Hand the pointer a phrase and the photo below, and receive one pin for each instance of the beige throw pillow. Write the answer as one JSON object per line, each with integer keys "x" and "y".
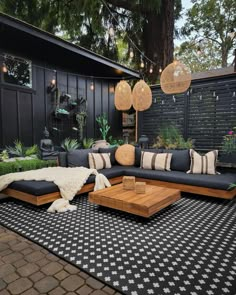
{"x": 203, "y": 164}
{"x": 155, "y": 161}
{"x": 99, "y": 160}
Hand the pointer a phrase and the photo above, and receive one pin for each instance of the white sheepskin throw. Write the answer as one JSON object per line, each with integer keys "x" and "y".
{"x": 60, "y": 206}
{"x": 69, "y": 180}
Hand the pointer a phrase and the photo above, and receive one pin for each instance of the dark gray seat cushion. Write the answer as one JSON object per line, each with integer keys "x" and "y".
{"x": 221, "y": 181}
{"x": 76, "y": 158}
{"x": 38, "y": 188}
{"x": 33, "y": 187}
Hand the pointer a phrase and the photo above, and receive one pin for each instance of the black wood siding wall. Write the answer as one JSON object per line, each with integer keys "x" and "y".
{"x": 25, "y": 112}
{"x": 206, "y": 112}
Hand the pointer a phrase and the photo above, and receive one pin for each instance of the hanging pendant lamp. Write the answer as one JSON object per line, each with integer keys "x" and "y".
{"x": 123, "y": 96}
{"x": 175, "y": 78}
{"x": 142, "y": 96}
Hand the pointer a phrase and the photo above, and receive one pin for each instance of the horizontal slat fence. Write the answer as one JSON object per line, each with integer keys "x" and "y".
{"x": 205, "y": 113}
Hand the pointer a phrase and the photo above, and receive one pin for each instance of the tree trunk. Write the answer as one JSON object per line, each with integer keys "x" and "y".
{"x": 158, "y": 42}
{"x": 224, "y": 56}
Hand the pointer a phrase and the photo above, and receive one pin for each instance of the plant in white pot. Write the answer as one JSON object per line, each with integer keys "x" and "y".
{"x": 103, "y": 128}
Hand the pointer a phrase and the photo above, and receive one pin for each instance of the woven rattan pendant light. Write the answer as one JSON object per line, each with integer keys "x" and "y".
{"x": 142, "y": 96}
{"x": 123, "y": 96}
{"x": 176, "y": 78}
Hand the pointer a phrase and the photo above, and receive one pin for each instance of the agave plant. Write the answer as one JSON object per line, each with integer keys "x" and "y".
{"x": 87, "y": 143}
{"x": 70, "y": 144}
{"x": 32, "y": 151}
{"x": 17, "y": 150}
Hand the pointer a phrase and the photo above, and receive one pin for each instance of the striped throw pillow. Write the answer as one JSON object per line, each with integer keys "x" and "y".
{"x": 99, "y": 160}
{"x": 155, "y": 161}
{"x": 203, "y": 164}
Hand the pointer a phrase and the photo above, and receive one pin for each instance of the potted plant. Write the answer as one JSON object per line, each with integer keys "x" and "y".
{"x": 228, "y": 154}
{"x": 103, "y": 128}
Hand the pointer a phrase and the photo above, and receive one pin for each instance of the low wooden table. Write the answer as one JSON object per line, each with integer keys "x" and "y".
{"x": 145, "y": 205}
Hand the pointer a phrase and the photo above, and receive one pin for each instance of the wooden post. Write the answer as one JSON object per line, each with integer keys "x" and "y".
{"x": 136, "y": 127}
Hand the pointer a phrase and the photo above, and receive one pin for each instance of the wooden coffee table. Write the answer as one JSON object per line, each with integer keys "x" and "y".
{"x": 145, "y": 205}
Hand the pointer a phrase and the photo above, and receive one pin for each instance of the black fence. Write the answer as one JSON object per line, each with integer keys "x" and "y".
{"x": 205, "y": 113}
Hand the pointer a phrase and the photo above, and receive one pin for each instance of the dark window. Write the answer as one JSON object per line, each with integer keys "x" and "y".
{"x": 18, "y": 71}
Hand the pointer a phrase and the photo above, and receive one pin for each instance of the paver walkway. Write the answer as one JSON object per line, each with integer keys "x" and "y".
{"x": 26, "y": 268}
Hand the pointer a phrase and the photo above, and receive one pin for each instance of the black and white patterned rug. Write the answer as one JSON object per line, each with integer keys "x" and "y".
{"x": 187, "y": 248}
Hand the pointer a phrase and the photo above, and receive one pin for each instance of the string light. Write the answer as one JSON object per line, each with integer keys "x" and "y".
{"x": 111, "y": 32}
{"x": 142, "y": 64}
{"x": 199, "y": 51}
{"x": 160, "y": 70}
{"x": 131, "y": 53}
{"x": 130, "y": 40}
{"x": 231, "y": 34}
{"x": 151, "y": 69}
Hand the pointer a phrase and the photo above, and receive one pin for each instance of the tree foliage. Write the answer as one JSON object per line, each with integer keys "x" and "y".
{"x": 213, "y": 20}
{"x": 40, "y": 13}
{"x": 207, "y": 58}
{"x": 149, "y": 24}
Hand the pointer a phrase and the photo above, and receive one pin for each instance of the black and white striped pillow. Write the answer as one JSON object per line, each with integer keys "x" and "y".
{"x": 99, "y": 160}
{"x": 155, "y": 161}
{"x": 203, "y": 164}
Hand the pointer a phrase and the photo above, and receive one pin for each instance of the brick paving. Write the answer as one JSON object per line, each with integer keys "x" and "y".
{"x": 26, "y": 268}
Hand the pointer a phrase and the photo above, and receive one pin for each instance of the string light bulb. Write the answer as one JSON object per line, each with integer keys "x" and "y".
{"x": 160, "y": 70}
{"x": 142, "y": 64}
{"x": 111, "y": 32}
{"x": 151, "y": 69}
{"x": 4, "y": 68}
{"x": 199, "y": 50}
{"x": 91, "y": 86}
{"x": 131, "y": 53}
{"x": 231, "y": 34}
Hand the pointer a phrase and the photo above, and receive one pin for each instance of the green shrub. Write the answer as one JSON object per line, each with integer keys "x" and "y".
{"x": 25, "y": 165}
{"x": 170, "y": 138}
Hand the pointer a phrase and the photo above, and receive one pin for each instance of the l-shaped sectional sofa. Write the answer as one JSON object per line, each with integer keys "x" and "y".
{"x": 41, "y": 192}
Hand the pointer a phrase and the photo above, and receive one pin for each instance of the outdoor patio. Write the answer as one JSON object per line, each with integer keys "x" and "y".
{"x": 26, "y": 268}
{"x": 118, "y": 147}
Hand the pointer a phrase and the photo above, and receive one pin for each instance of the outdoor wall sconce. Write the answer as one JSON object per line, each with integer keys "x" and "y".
{"x": 52, "y": 86}
{"x": 91, "y": 86}
{"x": 4, "y": 68}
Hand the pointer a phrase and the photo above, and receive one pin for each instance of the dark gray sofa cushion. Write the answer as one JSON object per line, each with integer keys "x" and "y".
{"x": 138, "y": 154}
{"x": 220, "y": 181}
{"x": 112, "y": 152}
{"x": 39, "y": 188}
{"x": 62, "y": 159}
{"x": 33, "y": 187}
{"x": 76, "y": 158}
{"x": 180, "y": 160}
{"x": 115, "y": 171}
